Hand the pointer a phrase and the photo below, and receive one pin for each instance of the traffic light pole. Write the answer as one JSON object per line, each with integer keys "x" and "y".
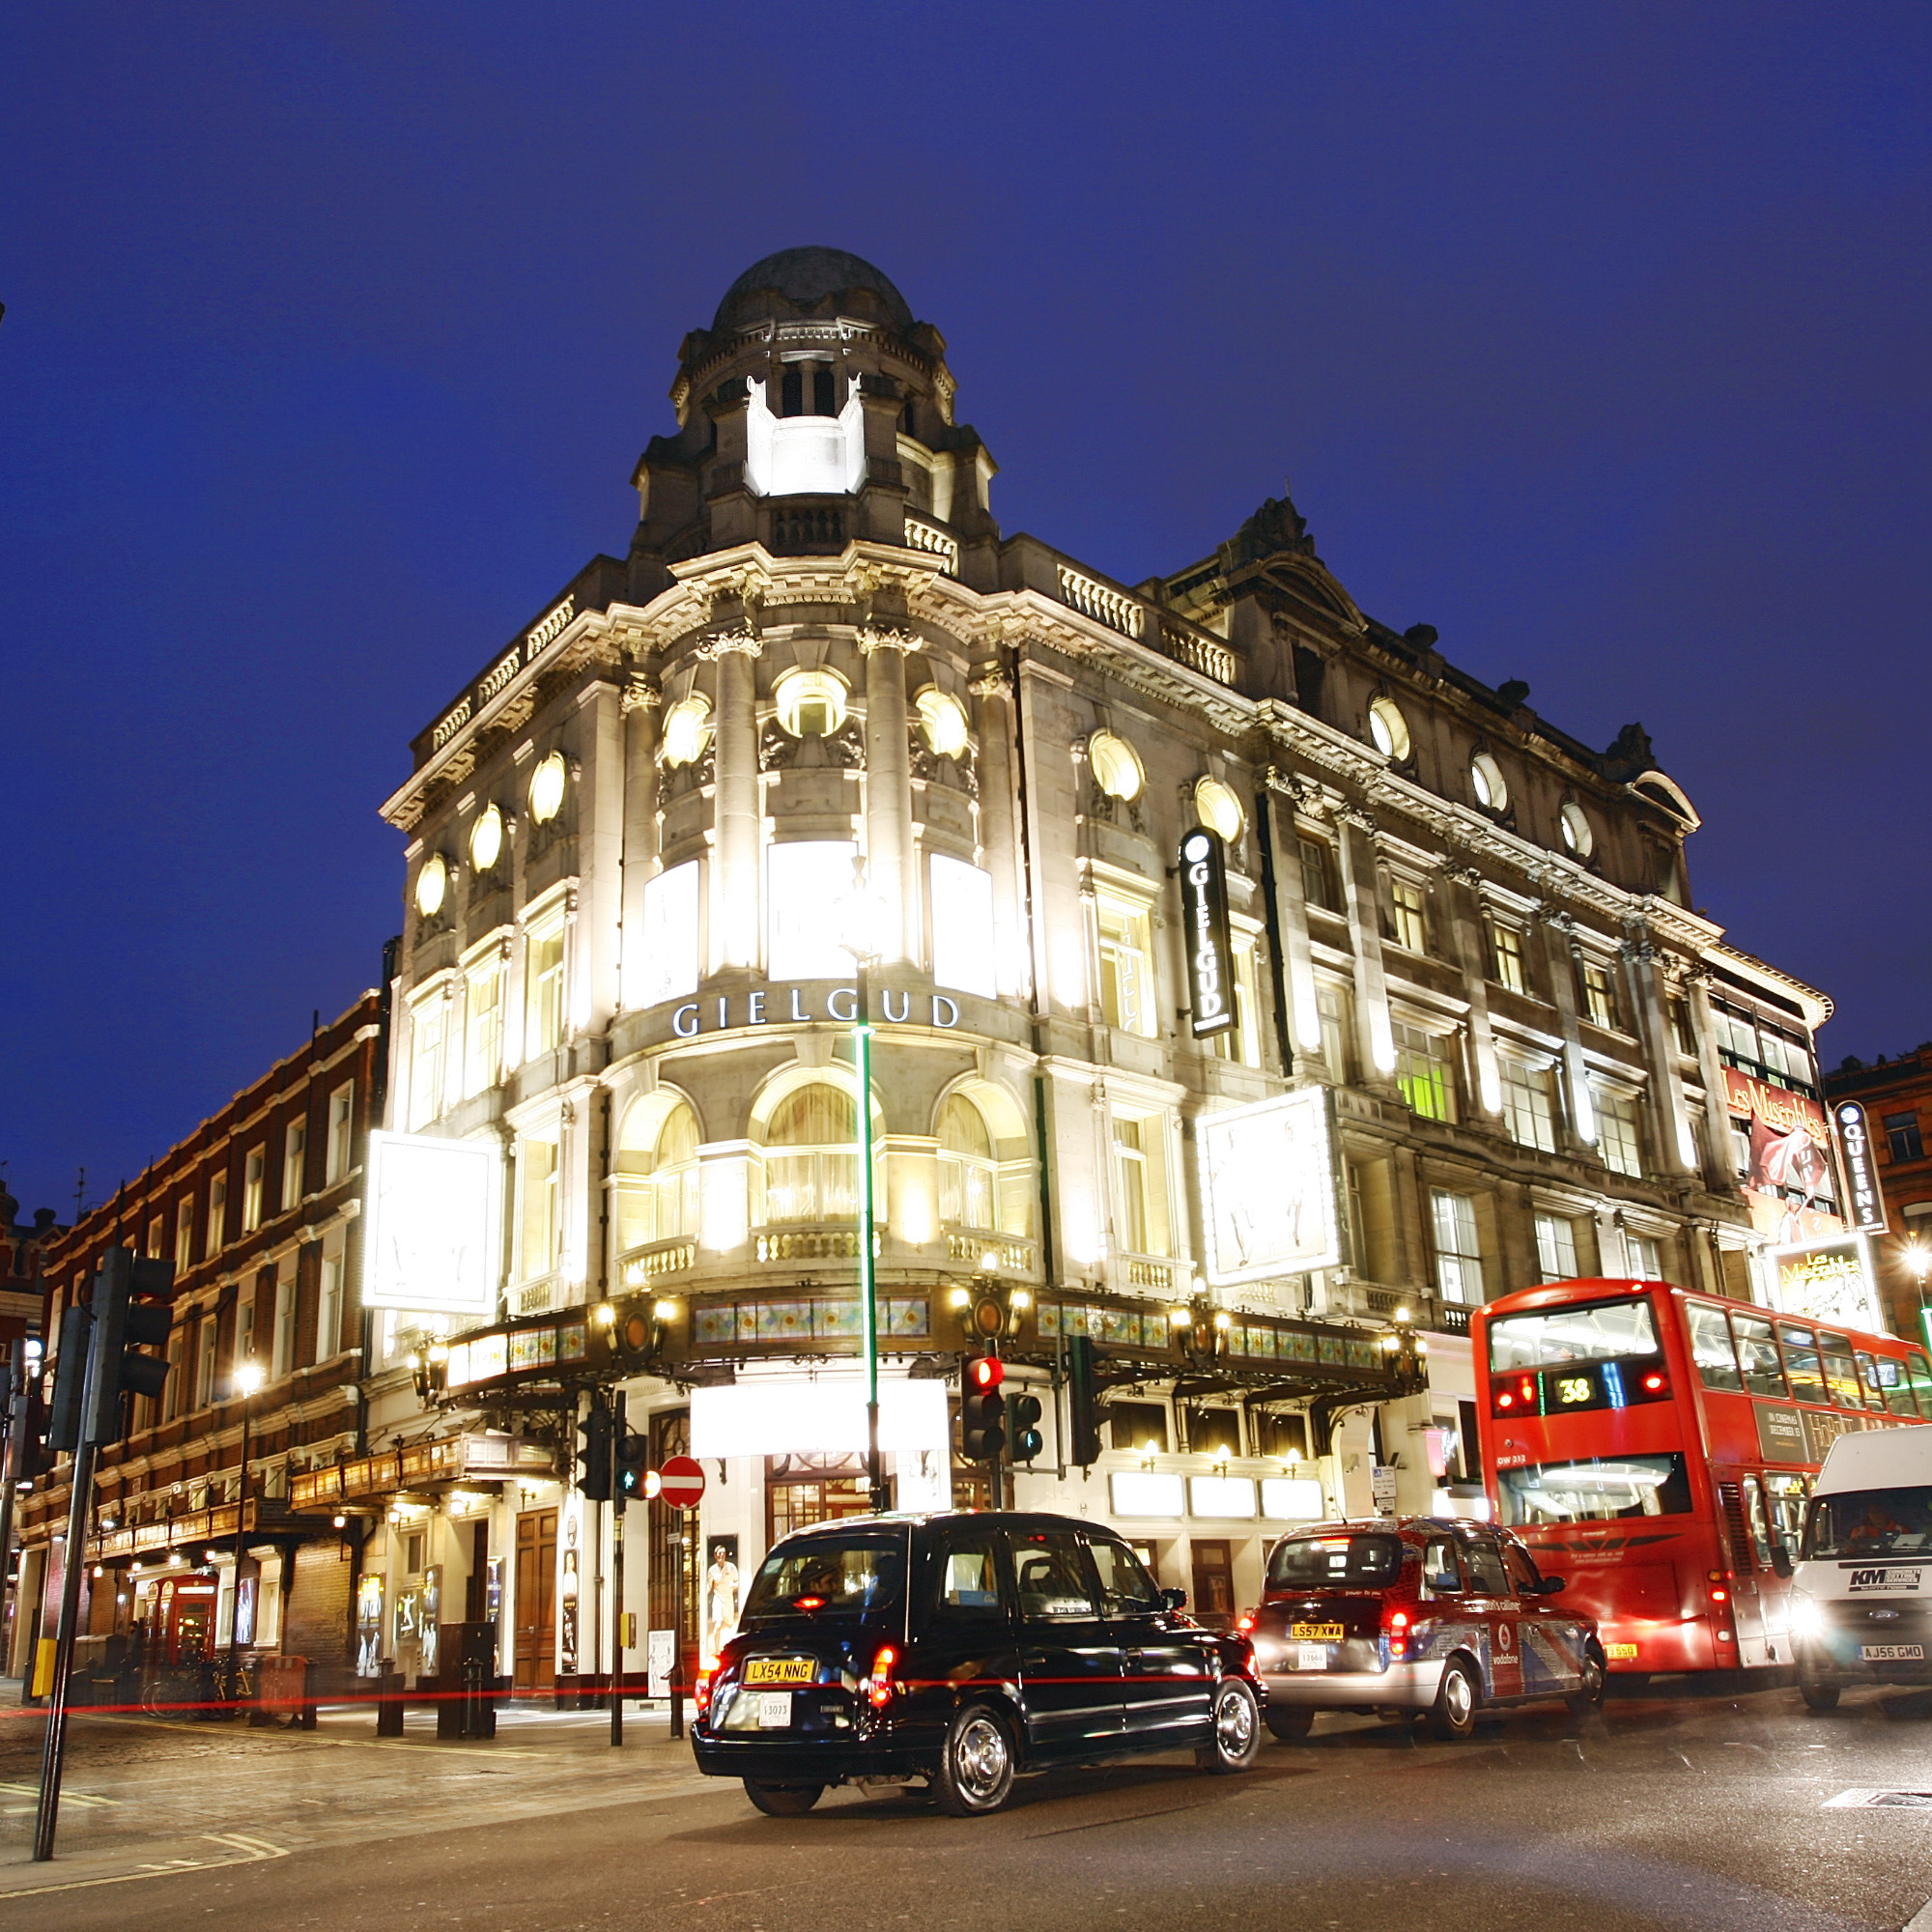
{"x": 618, "y": 1512}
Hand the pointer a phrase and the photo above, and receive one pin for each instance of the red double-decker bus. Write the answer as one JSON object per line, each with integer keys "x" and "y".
{"x": 1655, "y": 1448}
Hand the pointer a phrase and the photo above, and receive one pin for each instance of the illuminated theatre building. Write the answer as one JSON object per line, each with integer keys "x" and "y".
{"x": 1470, "y": 1036}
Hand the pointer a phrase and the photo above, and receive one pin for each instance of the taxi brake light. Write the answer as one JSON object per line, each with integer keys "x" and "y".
{"x": 1246, "y": 1621}
{"x": 808, "y": 1602}
{"x": 701, "y": 1693}
{"x": 879, "y": 1686}
{"x": 1395, "y": 1623}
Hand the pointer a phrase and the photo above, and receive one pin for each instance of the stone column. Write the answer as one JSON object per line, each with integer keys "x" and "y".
{"x": 1719, "y": 1165}
{"x": 641, "y": 834}
{"x": 734, "y": 894}
{"x": 1467, "y": 923}
{"x": 1650, "y": 1015}
{"x": 1304, "y": 1017}
{"x": 891, "y": 867}
{"x": 999, "y": 840}
{"x": 1560, "y": 961}
{"x": 1356, "y": 844}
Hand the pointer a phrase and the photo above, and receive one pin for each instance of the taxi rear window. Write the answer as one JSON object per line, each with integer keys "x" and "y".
{"x": 831, "y": 1579}
{"x": 1335, "y": 1562}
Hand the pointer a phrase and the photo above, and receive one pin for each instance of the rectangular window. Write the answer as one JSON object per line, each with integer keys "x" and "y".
{"x": 1318, "y": 875}
{"x": 1506, "y": 959}
{"x": 328, "y": 1303}
{"x": 1646, "y": 1257}
{"x": 536, "y": 1168}
{"x": 962, "y": 926}
{"x": 1242, "y": 1041}
{"x": 1681, "y": 1029}
{"x": 157, "y": 1238}
{"x": 483, "y": 1027}
{"x": 253, "y": 1172}
{"x": 1127, "y": 968}
{"x": 1618, "y": 1138}
{"x": 174, "y": 1391}
{"x": 184, "y": 1236}
{"x": 1527, "y": 1109}
{"x": 217, "y": 1212}
{"x": 428, "y": 1025}
{"x": 1458, "y": 1260}
{"x": 1407, "y": 915}
{"x": 246, "y": 1350}
{"x": 204, "y": 1361}
{"x": 294, "y": 1164}
{"x": 341, "y": 1119}
{"x": 671, "y": 934}
{"x": 283, "y": 1361}
{"x": 1902, "y": 1139}
{"x": 1424, "y": 1073}
{"x": 807, "y": 884}
{"x": 1140, "y": 1182}
{"x": 1555, "y": 1248}
{"x": 542, "y": 1005}
{"x": 1332, "y": 1005}
{"x": 1600, "y": 995}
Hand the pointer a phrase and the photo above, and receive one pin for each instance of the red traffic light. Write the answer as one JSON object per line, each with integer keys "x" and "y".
{"x": 985, "y": 1373}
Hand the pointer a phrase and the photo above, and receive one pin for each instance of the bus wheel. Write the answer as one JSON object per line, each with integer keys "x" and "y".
{"x": 1818, "y": 1696}
{"x": 1454, "y": 1718}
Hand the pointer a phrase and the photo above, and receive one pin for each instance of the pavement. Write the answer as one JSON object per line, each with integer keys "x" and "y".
{"x": 1672, "y": 1809}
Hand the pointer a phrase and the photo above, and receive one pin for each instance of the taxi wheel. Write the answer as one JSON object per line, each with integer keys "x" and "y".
{"x": 1454, "y": 1718}
{"x": 976, "y": 1767}
{"x": 1237, "y": 1730}
{"x": 1291, "y": 1722}
{"x": 783, "y": 1801}
{"x": 1588, "y": 1695}
{"x": 1818, "y": 1696}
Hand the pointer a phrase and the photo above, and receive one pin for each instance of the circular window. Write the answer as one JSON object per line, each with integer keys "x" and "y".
{"x": 1576, "y": 833}
{"x": 431, "y": 886}
{"x": 812, "y": 703}
{"x": 1389, "y": 728}
{"x": 1219, "y": 809}
{"x": 687, "y": 730}
{"x": 1486, "y": 776}
{"x": 547, "y": 784}
{"x": 486, "y": 839}
{"x": 942, "y": 722}
{"x": 1117, "y": 769}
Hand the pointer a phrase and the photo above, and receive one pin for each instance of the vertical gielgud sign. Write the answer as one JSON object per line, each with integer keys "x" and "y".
{"x": 1204, "y": 907}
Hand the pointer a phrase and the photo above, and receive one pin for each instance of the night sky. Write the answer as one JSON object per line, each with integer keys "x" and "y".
{"x": 1595, "y": 337}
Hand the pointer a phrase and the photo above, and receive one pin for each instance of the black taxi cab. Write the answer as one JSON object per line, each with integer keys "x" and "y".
{"x": 963, "y": 1650}
{"x": 1422, "y": 1615}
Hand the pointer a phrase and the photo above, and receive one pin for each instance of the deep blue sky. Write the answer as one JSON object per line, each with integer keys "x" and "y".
{"x": 1596, "y": 337}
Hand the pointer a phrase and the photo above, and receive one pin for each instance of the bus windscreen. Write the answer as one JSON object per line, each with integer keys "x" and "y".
{"x": 1597, "y": 1489}
{"x": 1592, "y": 1332}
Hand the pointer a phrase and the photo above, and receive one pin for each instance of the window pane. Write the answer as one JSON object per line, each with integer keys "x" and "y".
{"x": 1595, "y": 1331}
{"x": 1598, "y": 1489}
{"x": 806, "y": 887}
{"x": 671, "y": 934}
{"x": 962, "y": 926}
{"x": 1051, "y": 1577}
{"x": 1711, "y": 1348}
{"x": 1757, "y": 1355}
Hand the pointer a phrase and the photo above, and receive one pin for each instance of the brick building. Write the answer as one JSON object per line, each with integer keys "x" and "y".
{"x": 1896, "y": 1096}
{"x": 259, "y": 1210}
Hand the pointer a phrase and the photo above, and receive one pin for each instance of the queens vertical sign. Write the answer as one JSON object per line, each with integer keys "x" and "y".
{"x": 1203, "y": 904}
{"x": 1866, "y": 1207}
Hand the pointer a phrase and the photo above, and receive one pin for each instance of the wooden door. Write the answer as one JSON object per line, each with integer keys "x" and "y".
{"x": 1214, "y": 1601}
{"x": 536, "y": 1601}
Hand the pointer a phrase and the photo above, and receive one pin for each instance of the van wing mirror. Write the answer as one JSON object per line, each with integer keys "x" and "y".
{"x": 1550, "y": 1586}
{"x": 1174, "y": 1600}
{"x": 1780, "y": 1560}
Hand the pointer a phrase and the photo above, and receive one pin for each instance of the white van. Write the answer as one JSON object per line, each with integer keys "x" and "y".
{"x": 1861, "y": 1594}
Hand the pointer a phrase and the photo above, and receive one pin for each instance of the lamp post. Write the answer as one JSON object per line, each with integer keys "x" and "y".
{"x": 247, "y": 1380}
{"x": 860, "y": 919}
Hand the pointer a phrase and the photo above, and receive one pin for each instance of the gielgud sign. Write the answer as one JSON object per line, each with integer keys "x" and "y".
{"x": 1204, "y": 915}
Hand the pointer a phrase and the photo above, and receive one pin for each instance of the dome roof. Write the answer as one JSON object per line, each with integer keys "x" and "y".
{"x": 806, "y": 276}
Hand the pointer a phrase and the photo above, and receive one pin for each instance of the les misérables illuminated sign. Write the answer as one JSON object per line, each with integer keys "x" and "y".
{"x": 1865, "y": 1209}
{"x": 1203, "y": 908}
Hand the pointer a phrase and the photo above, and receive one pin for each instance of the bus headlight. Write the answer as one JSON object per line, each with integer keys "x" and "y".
{"x": 1808, "y": 1619}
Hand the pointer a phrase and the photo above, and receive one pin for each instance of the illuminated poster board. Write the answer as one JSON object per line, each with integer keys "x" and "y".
{"x": 1267, "y": 1184}
{"x": 1828, "y": 1281}
{"x": 434, "y": 1225}
{"x": 1787, "y": 1179}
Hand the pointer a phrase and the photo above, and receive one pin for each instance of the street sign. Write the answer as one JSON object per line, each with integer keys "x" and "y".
{"x": 681, "y": 1483}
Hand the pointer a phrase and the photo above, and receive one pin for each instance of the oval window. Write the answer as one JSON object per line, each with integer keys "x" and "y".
{"x": 547, "y": 784}
{"x": 810, "y": 703}
{"x": 486, "y": 839}
{"x": 1486, "y": 779}
{"x": 432, "y": 885}
{"x": 1219, "y": 809}
{"x": 687, "y": 730}
{"x": 1576, "y": 833}
{"x": 942, "y": 722}
{"x": 1117, "y": 767}
{"x": 1389, "y": 728}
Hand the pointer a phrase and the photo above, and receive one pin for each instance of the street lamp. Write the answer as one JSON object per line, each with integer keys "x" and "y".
{"x": 247, "y": 1380}
{"x": 862, "y": 920}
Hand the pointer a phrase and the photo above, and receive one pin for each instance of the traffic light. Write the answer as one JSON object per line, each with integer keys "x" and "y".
{"x": 63, "y": 1430}
{"x": 126, "y": 1326}
{"x": 1023, "y": 1415}
{"x": 593, "y": 1453}
{"x": 982, "y": 1409}
{"x": 1083, "y": 1400}
{"x": 630, "y": 1470}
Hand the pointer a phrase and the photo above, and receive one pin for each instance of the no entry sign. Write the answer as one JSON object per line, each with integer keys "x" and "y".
{"x": 682, "y": 1483}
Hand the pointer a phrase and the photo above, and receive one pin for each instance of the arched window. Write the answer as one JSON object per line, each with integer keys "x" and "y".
{"x": 811, "y": 1166}
{"x": 656, "y": 1186}
{"x": 968, "y": 1176}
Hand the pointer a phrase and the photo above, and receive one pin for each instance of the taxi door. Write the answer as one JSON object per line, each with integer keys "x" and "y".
{"x": 1550, "y": 1642}
{"x": 1070, "y": 1661}
{"x": 1493, "y": 1604}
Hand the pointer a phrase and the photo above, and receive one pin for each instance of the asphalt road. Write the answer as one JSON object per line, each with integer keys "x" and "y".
{"x": 1712, "y": 1812}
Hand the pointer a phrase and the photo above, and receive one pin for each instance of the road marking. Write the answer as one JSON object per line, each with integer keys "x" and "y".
{"x": 252, "y": 1852}
{"x": 1871, "y": 1798}
{"x": 1921, "y": 1919}
{"x": 67, "y": 1797}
